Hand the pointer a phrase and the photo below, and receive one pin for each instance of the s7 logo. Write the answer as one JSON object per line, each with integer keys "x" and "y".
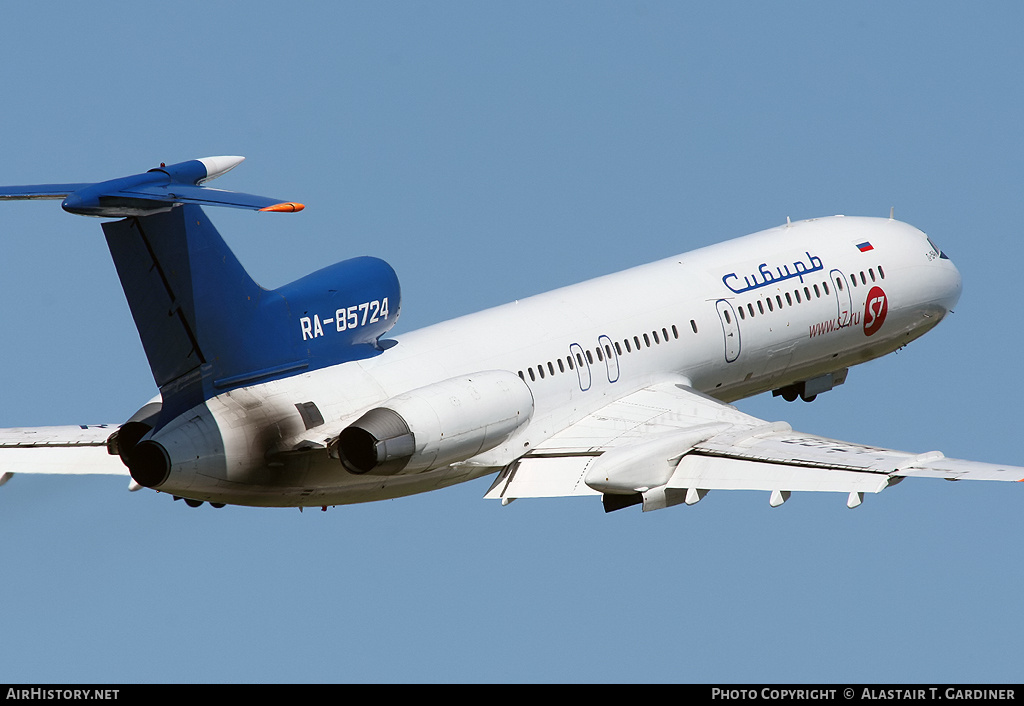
{"x": 875, "y": 309}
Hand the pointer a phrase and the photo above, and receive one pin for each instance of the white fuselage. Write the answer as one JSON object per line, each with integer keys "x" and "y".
{"x": 758, "y": 313}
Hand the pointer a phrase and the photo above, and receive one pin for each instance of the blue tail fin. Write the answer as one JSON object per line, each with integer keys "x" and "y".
{"x": 207, "y": 327}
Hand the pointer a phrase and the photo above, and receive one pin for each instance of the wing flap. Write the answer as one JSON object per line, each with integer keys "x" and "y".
{"x": 719, "y": 473}
{"x": 60, "y": 450}
{"x": 61, "y": 460}
{"x": 549, "y": 477}
{"x": 543, "y": 477}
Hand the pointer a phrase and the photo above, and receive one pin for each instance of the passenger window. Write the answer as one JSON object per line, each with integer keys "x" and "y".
{"x": 839, "y": 284}
{"x": 590, "y": 358}
{"x": 760, "y": 306}
{"x": 675, "y": 331}
{"x": 853, "y": 280}
{"x": 540, "y": 369}
{"x": 599, "y": 356}
{"x": 769, "y": 304}
{"x": 647, "y": 340}
{"x": 742, "y": 315}
{"x": 789, "y": 299}
{"x": 628, "y": 349}
{"x": 618, "y": 349}
{"x": 817, "y": 292}
{"x": 655, "y": 333}
{"x": 637, "y": 342}
{"x": 521, "y": 375}
{"x": 693, "y": 325}
{"x": 863, "y": 279}
{"x": 551, "y": 368}
{"x": 569, "y": 360}
{"x": 824, "y": 286}
{"x": 797, "y": 293}
{"x": 750, "y": 308}
{"x": 532, "y": 377}
{"x": 871, "y": 274}
{"x": 778, "y": 300}
{"x": 561, "y": 368}
{"x": 881, "y": 272}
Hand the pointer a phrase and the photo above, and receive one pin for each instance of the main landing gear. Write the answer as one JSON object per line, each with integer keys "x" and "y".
{"x": 196, "y": 503}
{"x": 808, "y": 390}
{"x": 791, "y": 392}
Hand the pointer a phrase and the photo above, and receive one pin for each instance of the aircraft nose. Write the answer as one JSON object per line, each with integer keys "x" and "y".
{"x": 949, "y": 283}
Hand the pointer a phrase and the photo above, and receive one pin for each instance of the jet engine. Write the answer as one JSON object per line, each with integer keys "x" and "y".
{"x": 436, "y": 425}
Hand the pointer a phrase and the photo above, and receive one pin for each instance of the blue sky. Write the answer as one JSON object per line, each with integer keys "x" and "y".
{"x": 490, "y": 151}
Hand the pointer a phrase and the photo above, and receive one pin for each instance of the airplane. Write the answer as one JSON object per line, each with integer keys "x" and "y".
{"x": 619, "y": 387}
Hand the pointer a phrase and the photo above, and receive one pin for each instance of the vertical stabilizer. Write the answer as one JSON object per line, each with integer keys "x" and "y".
{"x": 207, "y": 327}
{"x": 154, "y": 256}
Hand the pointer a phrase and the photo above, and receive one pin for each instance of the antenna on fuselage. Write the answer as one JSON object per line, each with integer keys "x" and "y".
{"x": 892, "y": 211}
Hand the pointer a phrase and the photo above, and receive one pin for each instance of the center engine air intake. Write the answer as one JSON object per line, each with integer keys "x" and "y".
{"x": 436, "y": 425}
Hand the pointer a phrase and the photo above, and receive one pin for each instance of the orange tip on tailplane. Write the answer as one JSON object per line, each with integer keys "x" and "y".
{"x": 286, "y": 207}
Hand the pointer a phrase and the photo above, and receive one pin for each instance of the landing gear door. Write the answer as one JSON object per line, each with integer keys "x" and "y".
{"x": 730, "y": 329}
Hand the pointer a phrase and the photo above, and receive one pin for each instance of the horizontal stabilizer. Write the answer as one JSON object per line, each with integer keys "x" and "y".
{"x": 39, "y": 191}
{"x": 155, "y": 191}
{"x": 203, "y": 196}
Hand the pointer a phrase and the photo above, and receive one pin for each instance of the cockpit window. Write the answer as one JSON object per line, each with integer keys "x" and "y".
{"x": 935, "y": 249}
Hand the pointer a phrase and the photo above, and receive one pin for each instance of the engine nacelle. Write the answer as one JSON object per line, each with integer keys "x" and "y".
{"x": 436, "y": 425}
{"x": 173, "y": 457}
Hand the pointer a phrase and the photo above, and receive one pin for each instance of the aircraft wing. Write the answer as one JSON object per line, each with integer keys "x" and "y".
{"x": 64, "y": 449}
{"x": 669, "y": 444}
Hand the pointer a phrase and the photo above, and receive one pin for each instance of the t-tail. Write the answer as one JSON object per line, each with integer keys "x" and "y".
{"x": 205, "y": 325}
